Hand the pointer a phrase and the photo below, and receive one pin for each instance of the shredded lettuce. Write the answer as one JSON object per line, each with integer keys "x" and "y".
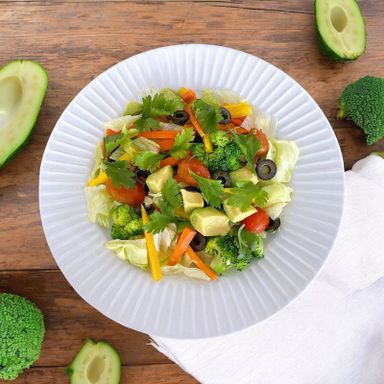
{"x": 274, "y": 211}
{"x": 194, "y": 273}
{"x": 164, "y": 240}
{"x": 98, "y": 161}
{"x": 261, "y": 120}
{"x": 121, "y": 122}
{"x": 277, "y": 193}
{"x": 285, "y": 155}
{"x": 220, "y": 96}
{"x": 99, "y": 205}
{"x": 143, "y": 144}
{"x": 133, "y": 251}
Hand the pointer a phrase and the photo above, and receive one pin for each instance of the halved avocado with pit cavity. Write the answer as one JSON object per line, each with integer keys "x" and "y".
{"x": 340, "y": 28}
{"x": 95, "y": 363}
{"x": 23, "y": 85}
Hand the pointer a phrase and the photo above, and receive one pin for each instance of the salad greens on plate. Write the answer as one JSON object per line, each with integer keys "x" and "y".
{"x": 190, "y": 184}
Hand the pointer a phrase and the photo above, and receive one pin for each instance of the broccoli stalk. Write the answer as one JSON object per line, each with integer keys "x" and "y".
{"x": 127, "y": 224}
{"x": 363, "y": 103}
{"x": 21, "y": 335}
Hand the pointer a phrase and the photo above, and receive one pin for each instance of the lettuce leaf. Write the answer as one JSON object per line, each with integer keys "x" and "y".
{"x": 121, "y": 122}
{"x": 220, "y": 96}
{"x": 194, "y": 273}
{"x": 285, "y": 155}
{"x": 133, "y": 251}
{"x": 99, "y": 205}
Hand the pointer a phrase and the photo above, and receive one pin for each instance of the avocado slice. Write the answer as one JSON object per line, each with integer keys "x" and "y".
{"x": 340, "y": 29}
{"x": 243, "y": 175}
{"x": 95, "y": 363}
{"x": 210, "y": 222}
{"x": 23, "y": 85}
{"x": 191, "y": 200}
{"x": 235, "y": 214}
{"x": 156, "y": 180}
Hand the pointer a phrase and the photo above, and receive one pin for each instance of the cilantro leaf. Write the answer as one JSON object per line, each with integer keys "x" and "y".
{"x": 111, "y": 143}
{"x": 147, "y": 103}
{"x": 250, "y": 244}
{"x": 147, "y": 124}
{"x": 171, "y": 193}
{"x": 248, "y": 145}
{"x": 207, "y": 115}
{"x": 246, "y": 195}
{"x": 120, "y": 173}
{"x": 148, "y": 161}
{"x": 161, "y": 105}
{"x": 182, "y": 143}
{"x": 158, "y": 222}
{"x": 212, "y": 190}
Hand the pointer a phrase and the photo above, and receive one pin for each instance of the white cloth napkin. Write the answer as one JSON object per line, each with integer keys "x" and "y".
{"x": 334, "y": 332}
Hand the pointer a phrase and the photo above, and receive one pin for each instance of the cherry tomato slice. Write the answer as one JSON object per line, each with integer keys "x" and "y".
{"x": 132, "y": 196}
{"x": 258, "y": 222}
{"x": 195, "y": 166}
{"x": 263, "y": 142}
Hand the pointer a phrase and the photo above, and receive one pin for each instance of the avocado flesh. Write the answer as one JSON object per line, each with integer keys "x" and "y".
{"x": 96, "y": 363}
{"x": 210, "y": 222}
{"x": 341, "y": 29}
{"x": 156, "y": 180}
{"x": 23, "y": 85}
{"x": 191, "y": 200}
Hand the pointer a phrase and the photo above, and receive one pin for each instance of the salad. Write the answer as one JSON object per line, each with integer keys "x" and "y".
{"x": 190, "y": 184}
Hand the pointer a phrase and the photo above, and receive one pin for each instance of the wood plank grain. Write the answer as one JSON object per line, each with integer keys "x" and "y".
{"x": 69, "y": 320}
{"x": 77, "y": 41}
{"x": 143, "y": 374}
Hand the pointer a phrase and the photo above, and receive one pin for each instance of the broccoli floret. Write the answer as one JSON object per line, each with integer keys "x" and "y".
{"x": 21, "y": 335}
{"x": 220, "y": 138}
{"x": 362, "y": 102}
{"x": 126, "y": 223}
{"x": 227, "y": 158}
{"x": 225, "y": 253}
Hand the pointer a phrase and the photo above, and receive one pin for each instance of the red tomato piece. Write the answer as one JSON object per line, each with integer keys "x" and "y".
{"x": 256, "y": 223}
{"x": 193, "y": 165}
{"x": 132, "y": 196}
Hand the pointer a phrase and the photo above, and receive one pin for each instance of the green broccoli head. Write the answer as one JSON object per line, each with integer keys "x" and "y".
{"x": 227, "y": 158}
{"x": 362, "y": 102}
{"x": 220, "y": 138}
{"x": 126, "y": 223}
{"x": 21, "y": 335}
{"x": 226, "y": 254}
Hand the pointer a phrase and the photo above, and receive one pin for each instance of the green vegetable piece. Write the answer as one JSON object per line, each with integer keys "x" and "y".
{"x": 95, "y": 363}
{"x": 171, "y": 193}
{"x": 156, "y": 180}
{"x": 243, "y": 175}
{"x": 120, "y": 173}
{"x": 207, "y": 115}
{"x": 126, "y": 223}
{"x": 210, "y": 221}
{"x": 191, "y": 200}
{"x": 172, "y": 95}
{"x": 21, "y": 335}
{"x": 23, "y": 85}
{"x": 340, "y": 28}
{"x": 220, "y": 138}
{"x": 362, "y": 102}
{"x": 212, "y": 190}
{"x": 182, "y": 144}
{"x": 227, "y": 158}
{"x": 226, "y": 254}
{"x": 248, "y": 145}
{"x": 133, "y": 108}
{"x": 246, "y": 195}
{"x": 148, "y": 161}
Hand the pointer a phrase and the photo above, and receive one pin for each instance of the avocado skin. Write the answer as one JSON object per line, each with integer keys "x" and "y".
{"x": 33, "y": 123}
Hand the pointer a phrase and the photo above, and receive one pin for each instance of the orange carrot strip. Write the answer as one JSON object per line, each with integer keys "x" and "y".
{"x": 185, "y": 239}
{"x": 188, "y": 96}
{"x": 168, "y": 161}
{"x": 111, "y": 132}
{"x": 159, "y": 134}
{"x": 165, "y": 144}
{"x": 238, "y": 120}
{"x": 240, "y": 130}
{"x": 200, "y": 264}
{"x": 195, "y": 123}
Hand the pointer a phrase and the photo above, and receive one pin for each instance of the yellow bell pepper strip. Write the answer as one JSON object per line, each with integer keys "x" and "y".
{"x": 100, "y": 179}
{"x": 200, "y": 264}
{"x": 153, "y": 259}
{"x": 239, "y": 110}
{"x": 199, "y": 130}
{"x": 181, "y": 247}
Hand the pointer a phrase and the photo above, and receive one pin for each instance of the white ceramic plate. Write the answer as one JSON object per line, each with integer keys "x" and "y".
{"x": 177, "y": 307}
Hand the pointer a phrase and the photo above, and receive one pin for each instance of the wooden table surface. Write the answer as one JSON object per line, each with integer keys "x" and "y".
{"x": 76, "y": 40}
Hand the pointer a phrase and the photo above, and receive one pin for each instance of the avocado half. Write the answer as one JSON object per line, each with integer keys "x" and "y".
{"x": 340, "y": 29}
{"x": 23, "y": 85}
